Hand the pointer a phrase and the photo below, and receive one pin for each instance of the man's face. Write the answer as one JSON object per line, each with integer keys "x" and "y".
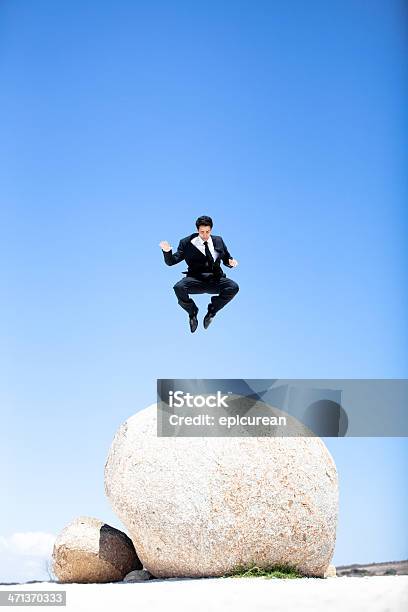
{"x": 204, "y": 232}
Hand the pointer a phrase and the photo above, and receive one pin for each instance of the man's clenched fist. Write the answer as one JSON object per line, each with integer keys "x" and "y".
{"x": 164, "y": 245}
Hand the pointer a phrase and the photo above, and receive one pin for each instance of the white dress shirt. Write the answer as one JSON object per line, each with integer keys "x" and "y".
{"x": 199, "y": 243}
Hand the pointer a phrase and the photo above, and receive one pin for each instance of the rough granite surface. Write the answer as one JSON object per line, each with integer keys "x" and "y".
{"x": 201, "y": 506}
{"x": 89, "y": 550}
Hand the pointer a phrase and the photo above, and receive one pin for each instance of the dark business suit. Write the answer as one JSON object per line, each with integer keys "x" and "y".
{"x": 201, "y": 277}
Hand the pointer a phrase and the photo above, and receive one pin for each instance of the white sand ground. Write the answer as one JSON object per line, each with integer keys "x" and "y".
{"x": 371, "y": 594}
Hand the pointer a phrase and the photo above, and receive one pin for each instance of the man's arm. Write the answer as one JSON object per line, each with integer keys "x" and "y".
{"x": 169, "y": 257}
{"x": 227, "y": 260}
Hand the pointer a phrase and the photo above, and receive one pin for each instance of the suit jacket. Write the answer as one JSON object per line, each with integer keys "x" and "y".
{"x": 196, "y": 260}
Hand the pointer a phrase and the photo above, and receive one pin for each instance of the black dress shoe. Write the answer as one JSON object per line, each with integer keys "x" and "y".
{"x": 193, "y": 322}
{"x": 208, "y": 318}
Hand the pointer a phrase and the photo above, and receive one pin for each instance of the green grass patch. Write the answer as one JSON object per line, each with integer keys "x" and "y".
{"x": 275, "y": 571}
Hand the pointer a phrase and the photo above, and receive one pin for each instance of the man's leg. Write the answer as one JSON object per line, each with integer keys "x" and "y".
{"x": 226, "y": 289}
{"x": 183, "y": 288}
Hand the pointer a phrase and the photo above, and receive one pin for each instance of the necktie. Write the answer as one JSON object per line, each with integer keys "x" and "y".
{"x": 210, "y": 259}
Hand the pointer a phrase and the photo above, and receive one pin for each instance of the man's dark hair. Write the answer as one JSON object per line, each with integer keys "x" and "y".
{"x": 204, "y": 220}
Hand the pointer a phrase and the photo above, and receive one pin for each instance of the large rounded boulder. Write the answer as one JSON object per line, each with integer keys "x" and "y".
{"x": 204, "y": 506}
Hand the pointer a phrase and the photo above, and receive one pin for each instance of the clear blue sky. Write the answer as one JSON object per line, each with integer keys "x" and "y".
{"x": 121, "y": 123}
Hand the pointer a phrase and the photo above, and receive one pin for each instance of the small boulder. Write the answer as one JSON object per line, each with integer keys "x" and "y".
{"x": 89, "y": 550}
{"x": 138, "y": 576}
{"x": 330, "y": 572}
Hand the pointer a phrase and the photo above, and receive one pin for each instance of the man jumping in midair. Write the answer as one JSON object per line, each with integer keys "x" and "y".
{"x": 203, "y": 254}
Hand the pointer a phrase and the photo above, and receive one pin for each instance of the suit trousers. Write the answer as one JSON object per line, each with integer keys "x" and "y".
{"x": 223, "y": 290}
